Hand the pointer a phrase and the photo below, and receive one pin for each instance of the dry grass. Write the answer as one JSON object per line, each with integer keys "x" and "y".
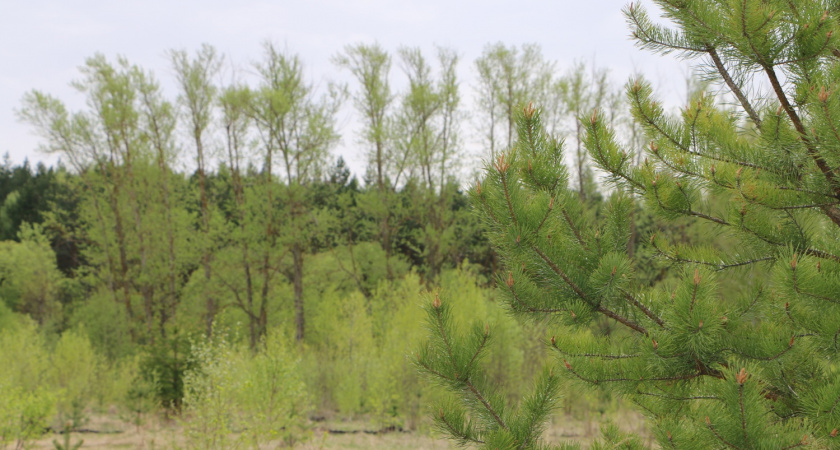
{"x": 158, "y": 433}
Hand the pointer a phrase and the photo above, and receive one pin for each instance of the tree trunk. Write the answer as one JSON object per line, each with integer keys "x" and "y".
{"x": 297, "y": 281}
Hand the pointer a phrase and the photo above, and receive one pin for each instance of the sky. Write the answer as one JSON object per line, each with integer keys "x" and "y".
{"x": 42, "y": 43}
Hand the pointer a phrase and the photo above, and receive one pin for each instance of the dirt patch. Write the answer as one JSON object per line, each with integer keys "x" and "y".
{"x": 111, "y": 432}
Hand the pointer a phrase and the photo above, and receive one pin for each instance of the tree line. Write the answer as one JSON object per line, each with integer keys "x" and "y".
{"x": 266, "y": 190}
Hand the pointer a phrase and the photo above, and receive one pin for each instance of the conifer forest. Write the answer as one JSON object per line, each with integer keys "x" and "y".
{"x": 202, "y": 269}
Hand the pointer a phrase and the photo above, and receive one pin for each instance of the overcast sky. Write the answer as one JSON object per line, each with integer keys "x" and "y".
{"x": 42, "y": 43}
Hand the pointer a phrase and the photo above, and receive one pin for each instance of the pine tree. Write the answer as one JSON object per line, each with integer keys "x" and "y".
{"x": 740, "y": 352}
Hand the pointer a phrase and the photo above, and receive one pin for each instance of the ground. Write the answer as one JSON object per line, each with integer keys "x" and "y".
{"x": 110, "y": 432}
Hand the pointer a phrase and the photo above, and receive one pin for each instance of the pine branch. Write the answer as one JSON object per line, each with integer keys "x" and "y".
{"x": 724, "y": 73}
{"x": 639, "y": 107}
{"x": 807, "y": 294}
{"x": 831, "y": 212}
{"x": 719, "y": 437}
{"x": 596, "y": 381}
{"x": 762, "y": 358}
{"x": 460, "y": 435}
{"x": 574, "y": 229}
{"x": 680, "y": 399}
{"x": 717, "y": 266}
{"x": 502, "y": 167}
{"x": 531, "y": 309}
{"x": 633, "y": 301}
{"x": 562, "y": 274}
{"x": 622, "y": 320}
{"x": 589, "y": 355}
{"x": 741, "y": 404}
{"x": 486, "y": 405}
{"x": 688, "y": 212}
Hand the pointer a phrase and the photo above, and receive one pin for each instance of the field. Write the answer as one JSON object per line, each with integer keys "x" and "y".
{"x": 111, "y": 432}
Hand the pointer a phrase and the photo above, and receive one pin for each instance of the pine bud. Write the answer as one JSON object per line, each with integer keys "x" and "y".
{"x": 772, "y": 13}
{"x": 741, "y": 377}
{"x": 518, "y": 238}
{"x": 828, "y": 35}
{"x": 653, "y": 147}
{"x": 551, "y": 203}
{"x": 805, "y": 28}
{"x": 670, "y": 438}
{"x": 708, "y": 422}
{"x": 502, "y": 165}
{"x": 440, "y": 413}
{"x": 594, "y": 119}
{"x": 636, "y": 86}
{"x": 655, "y": 344}
{"x": 478, "y": 187}
{"x": 574, "y": 316}
{"x": 697, "y": 277}
{"x": 790, "y": 344}
{"x": 612, "y": 274}
{"x": 712, "y": 170}
{"x": 700, "y": 326}
{"x": 818, "y": 266}
{"x": 724, "y": 320}
{"x": 529, "y": 110}
{"x": 833, "y": 433}
{"x": 738, "y": 173}
{"x": 823, "y": 94}
{"x": 553, "y": 341}
{"x": 510, "y": 280}
{"x": 652, "y": 238}
{"x": 779, "y": 110}
{"x": 793, "y": 262}
{"x": 436, "y": 302}
{"x": 486, "y": 329}
{"x": 568, "y": 366}
{"x": 824, "y": 16}
{"x": 530, "y": 169}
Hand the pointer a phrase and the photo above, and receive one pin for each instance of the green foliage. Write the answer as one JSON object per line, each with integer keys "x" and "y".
{"x": 234, "y": 398}
{"x": 29, "y": 279}
{"x": 105, "y": 324}
{"x": 164, "y": 367}
{"x": 737, "y": 349}
{"x": 27, "y": 400}
{"x": 76, "y": 372}
{"x": 482, "y": 415}
{"x": 273, "y": 240}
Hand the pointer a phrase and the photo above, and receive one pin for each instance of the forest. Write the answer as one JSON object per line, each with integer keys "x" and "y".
{"x": 204, "y": 258}
{"x": 130, "y": 282}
